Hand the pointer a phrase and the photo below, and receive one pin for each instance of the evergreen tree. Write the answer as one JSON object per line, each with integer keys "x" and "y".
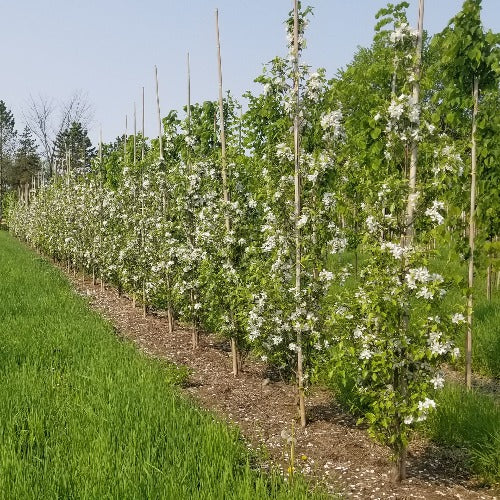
{"x": 73, "y": 149}
{"x": 7, "y": 142}
{"x": 26, "y": 163}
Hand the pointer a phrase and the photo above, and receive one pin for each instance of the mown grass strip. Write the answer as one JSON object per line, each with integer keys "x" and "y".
{"x": 87, "y": 416}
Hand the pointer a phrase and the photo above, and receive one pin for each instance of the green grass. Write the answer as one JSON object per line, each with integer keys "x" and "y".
{"x": 469, "y": 420}
{"x": 486, "y": 319}
{"x": 84, "y": 415}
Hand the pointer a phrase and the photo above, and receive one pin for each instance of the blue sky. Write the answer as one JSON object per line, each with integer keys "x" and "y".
{"x": 108, "y": 48}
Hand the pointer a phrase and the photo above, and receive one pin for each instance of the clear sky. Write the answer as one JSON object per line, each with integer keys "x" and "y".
{"x": 108, "y": 48}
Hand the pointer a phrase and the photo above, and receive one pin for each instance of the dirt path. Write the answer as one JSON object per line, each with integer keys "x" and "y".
{"x": 331, "y": 449}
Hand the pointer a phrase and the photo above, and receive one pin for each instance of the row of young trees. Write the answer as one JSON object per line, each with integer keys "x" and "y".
{"x": 302, "y": 229}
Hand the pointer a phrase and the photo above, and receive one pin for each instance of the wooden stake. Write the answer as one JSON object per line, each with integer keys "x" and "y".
{"x": 125, "y": 141}
{"x": 410, "y": 210}
{"x": 135, "y": 134}
{"x": 489, "y": 276}
{"x": 189, "y": 93}
{"x": 160, "y": 128}
{"x": 143, "y": 133}
{"x": 472, "y": 230}
{"x": 400, "y": 374}
{"x": 225, "y": 190}
{"x": 297, "y": 202}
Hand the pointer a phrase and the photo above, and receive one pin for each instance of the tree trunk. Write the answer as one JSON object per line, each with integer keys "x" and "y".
{"x": 399, "y": 468}
{"x": 472, "y": 231}
{"x": 235, "y": 357}
{"x": 489, "y": 275}
{"x": 195, "y": 334}
{"x": 170, "y": 318}
{"x": 401, "y": 375}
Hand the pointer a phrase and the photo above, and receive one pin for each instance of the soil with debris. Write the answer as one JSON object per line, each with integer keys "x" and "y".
{"x": 332, "y": 450}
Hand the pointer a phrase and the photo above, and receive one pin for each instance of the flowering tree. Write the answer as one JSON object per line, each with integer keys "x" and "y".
{"x": 470, "y": 61}
{"x": 297, "y": 210}
{"x": 392, "y": 335}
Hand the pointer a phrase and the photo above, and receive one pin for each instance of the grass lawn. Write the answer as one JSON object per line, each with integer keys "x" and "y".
{"x": 85, "y": 415}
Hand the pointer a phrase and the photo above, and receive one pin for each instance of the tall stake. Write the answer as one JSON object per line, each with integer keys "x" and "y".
{"x": 142, "y": 130}
{"x": 125, "y": 140}
{"x": 100, "y": 203}
{"x": 160, "y": 128}
{"x": 135, "y": 134}
{"x": 195, "y": 333}
{"x": 225, "y": 191}
{"x": 101, "y": 207}
{"x": 472, "y": 230}
{"x": 297, "y": 200}
{"x": 189, "y": 93}
{"x": 400, "y": 374}
{"x": 410, "y": 228}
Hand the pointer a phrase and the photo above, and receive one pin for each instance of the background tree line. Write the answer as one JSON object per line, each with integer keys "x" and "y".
{"x": 46, "y": 145}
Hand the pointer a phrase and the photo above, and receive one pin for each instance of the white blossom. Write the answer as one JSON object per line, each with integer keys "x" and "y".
{"x": 437, "y": 381}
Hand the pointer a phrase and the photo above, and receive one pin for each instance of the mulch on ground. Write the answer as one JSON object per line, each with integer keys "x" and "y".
{"x": 331, "y": 450}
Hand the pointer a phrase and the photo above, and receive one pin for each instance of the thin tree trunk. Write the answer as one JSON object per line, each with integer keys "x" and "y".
{"x": 170, "y": 315}
{"x": 225, "y": 190}
{"x": 195, "y": 332}
{"x": 399, "y": 469}
{"x": 297, "y": 211}
{"x": 489, "y": 274}
{"x": 472, "y": 231}
{"x": 400, "y": 382}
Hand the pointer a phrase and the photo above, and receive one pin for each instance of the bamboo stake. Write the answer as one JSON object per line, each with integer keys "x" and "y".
{"x": 410, "y": 228}
{"x": 489, "y": 275}
{"x": 189, "y": 93}
{"x": 100, "y": 182}
{"x": 135, "y": 134}
{"x": 100, "y": 203}
{"x": 297, "y": 203}
{"x": 143, "y": 134}
{"x": 400, "y": 374}
{"x": 225, "y": 190}
{"x": 144, "y": 304}
{"x": 195, "y": 334}
{"x": 472, "y": 230}
{"x": 125, "y": 141}
{"x": 160, "y": 129}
